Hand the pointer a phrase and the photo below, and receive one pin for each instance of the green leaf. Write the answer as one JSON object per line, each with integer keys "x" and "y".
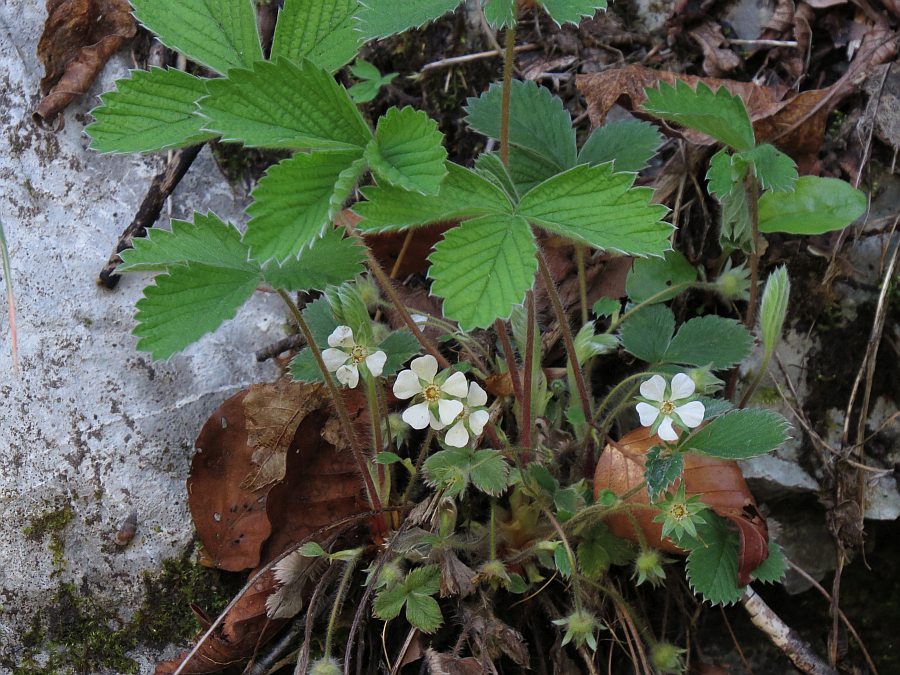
{"x": 332, "y": 259}
{"x": 589, "y": 344}
{"x": 630, "y": 144}
{"x": 423, "y": 612}
{"x": 726, "y": 173}
{"x": 389, "y": 603}
{"x": 152, "y": 111}
{"x": 817, "y": 205}
{"x": 739, "y": 434}
{"x": 386, "y": 458}
{"x": 654, "y": 277}
{"x": 399, "y": 346}
{"x": 661, "y": 470}
{"x": 350, "y": 310}
{"x": 595, "y": 206}
{"x": 482, "y": 268}
{"x": 424, "y": 580}
{"x": 455, "y": 469}
{"x": 488, "y": 165}
{"x": 735, "y": 230}
{"x": 500, "y": 13}
{"x": 321, "y": 31}
{"x": 463, "y": 194}
{"x": 773, "y": 309}
{"x": 282, "y": 105}
{"x": 381, "y": 18}
{"x": 562, "y": 561}
{"x": 407, "y": 151}
{"x": 774, "y": 169}
{"x": 719, "y": 114}
{"x": 538, "y": 121}
{"x": 321, "y": 321}
{"x": 773, "y": 569}
{"x": 606, "y": 307}
{"x": 712, "y": 340}
{"x": 312, "y": 549}
{"x": 528, "y": 169}
{"x": 599, "y": 549}
{"x": 572, "y": 11}
{"x": 489, "y": 472}
{"x": 371, "y": 81}
{"x": 303, "y": 367}
{"x": 647, "y": 333}
{"x": 220, "y": 34}
{"x": 712, "y": 565}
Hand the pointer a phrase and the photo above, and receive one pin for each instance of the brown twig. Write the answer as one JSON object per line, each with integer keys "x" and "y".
{"x": 478, "y": 56}
{"x": 283, "y": 345}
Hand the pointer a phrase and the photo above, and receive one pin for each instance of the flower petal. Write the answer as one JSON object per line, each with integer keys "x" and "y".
{"x": 666, "y": 431}
{"x": 419, "y": 319}
{"x": 477, "y": 420}
{"x": 682, "y": 386}
{"x": 375, "y": 363}
{"x": 348, "y": 375}
{"x": 425, "y": 367}
{"x": 457, "y": 437}
{"x": 691, "y": 413}
{"x": 407, "y": 385}
{"x": 435, "y": 422}
{"x": 654, "y": 389}
{"x": 334, "y": 358}
{"x": 417, "y": 416}
{"x": 647, "y": 413}
{"x": 341, "y": 337}
{"x": 449, "y": 410}
{"x": 477, "y": 396}
{"x": 455, "y": 385}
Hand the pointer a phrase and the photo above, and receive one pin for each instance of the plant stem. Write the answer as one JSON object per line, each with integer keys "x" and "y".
{"x": 508, "y": 57}
{"x": 342, "y": 589}
{"x": 580, "y": 252}
{"x": 752, "y": 189}
{"x": 763, "y": 367}
{"x": 525, "y": 435}
{"x": 420, "y": 460}
{"x": 341, "y": 409}
{"x": 656, "y": 297}
{"x": 500, "y": 329}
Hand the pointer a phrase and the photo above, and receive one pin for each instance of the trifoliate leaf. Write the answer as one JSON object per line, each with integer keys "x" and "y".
{"x": 220, "y": 34}
{"x": 423, "y": 612}
{"x": 595, "y": 206}
{"x": 407, "y": 151}
{"x": 599, "y": 549}
{"x": 739, "y": 434}
{"x": 500, "y": 13}
{"x": 381, "y": 18}
{"x": 152, "y": 111}
{"x": 817, "y": 205}
{"x": 774, "y": 169}
{"x": 389, "y": 602}
{"x": 538, "y": 121}
{"x": 282, "y": 105}
{"x": 662, "y": 469}
{"x": 572, "y": 11}
{"x": 654, "y": 277}
{"x": 630, "y": 144}
{"x": 712, "y": 565}
{"x": 370, "y": 81}
{"x": 321, "y": 31}
{"x": 463, "y": 194}
{"x": 332, "y": 259}
{"x": 489, "y": 472}
{"x": 719, "y": 114}
{"x": 711, "y": 340}
{"x": 454, "y": 469}
{"x": 773, "y": 569}
{"x": 647, "y": 333}
{"x": 726, "y": 173}
{"x": 483, "y": 268}
{"x": 528, "y": 169}
{"x": 773, "y": 309}
{"x": 399, "y": 346}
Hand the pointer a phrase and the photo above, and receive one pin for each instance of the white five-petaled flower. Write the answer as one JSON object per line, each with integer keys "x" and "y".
{"x": 661, "y": 408}
{"x": 472, "y": 418}
{"x": 344, "y": 356}
{"x": 439, "y": 406}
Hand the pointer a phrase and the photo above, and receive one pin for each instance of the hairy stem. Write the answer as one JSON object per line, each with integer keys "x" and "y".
{"x": 509, "y": 355}
{"x": 580, "y": 254}
{"x": 525, "y": 435}
{"x": 420, "y": 460}
{"x": 752, "y": 188}
{"x": 343, "y": 587}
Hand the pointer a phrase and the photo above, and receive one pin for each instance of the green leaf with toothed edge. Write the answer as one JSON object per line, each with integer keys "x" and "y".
{"x": 572, "y": 11}
{"x": 399, "y": 346}
{"x": 739, "y": 434}
{"x": 415, "y": 591}
{"x": 630, "y": 144}
{"x": 710, "y": 340}
{"x": 500, "y": 13}
{"x": 407, "y": 151}
{"x": 725, "y": 174}
{"x": 774, "y": 169}
{"x": 381, "y": 18}
{"x": 321, "y": 31}
{"x": 773, "y": 569}
{"x": 648, "y": 332}
{"x": 654, "y": 277}
{"x": 220, "y": 34}
{"x": 773, "y": 308}
{"x": 661, "y": 470}
{"x": 330, "y": 260}
{"x": 712, "y": 564}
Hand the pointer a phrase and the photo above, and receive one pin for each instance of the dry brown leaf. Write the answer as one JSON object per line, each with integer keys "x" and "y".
{"x": 79, "y": 38}
{"x": 718, "y": 59}
{"x": 448, "y": 664}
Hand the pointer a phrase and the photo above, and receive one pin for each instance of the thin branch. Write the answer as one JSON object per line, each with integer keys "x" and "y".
{"x": 477, "y": 56}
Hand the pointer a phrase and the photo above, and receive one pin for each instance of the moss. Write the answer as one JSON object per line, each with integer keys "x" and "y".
{"x": 51, "y": 523}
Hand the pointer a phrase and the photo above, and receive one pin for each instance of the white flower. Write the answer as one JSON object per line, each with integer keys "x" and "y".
{"x": 344, "y": 356}
{"x": 439, "y": 406}
{"x": 473, "y": 416}
{"x": 661, "y": 409}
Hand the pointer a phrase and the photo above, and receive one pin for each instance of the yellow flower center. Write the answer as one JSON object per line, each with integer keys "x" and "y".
{"x": 678, "y": 512}
{"x": 358, "y": 353}
{"x": 432, "y": 393}
{"x": 667, "y": 407}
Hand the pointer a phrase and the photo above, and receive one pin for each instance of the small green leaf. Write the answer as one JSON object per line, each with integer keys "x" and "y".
{"x": 653, "y": 277}
{"x": 303, "y": 367}
{"x": 774, "y": 169}
{"x": 817, "y": 205}
{"x": 321, "y": 321}
{"x": 739, "y": 434}
{"x": 399, "y": 346}
{"x": 321, "y": 31}
{"x": 735, "y": 230}
{"x": 562, "y": 561}
{"x": 482, "y": 268}
{"x": 773, "y": 309}
{"x": 726, "y": 173}
{"x": 711, "y": 340}
{"x": 332, "y": 259}
{"x": 423, "y": 612}
{"x": 662, "y": 468}
{"x": 407, "y": 152}
{"x": 606, "y": 307}
{"x": 387, "y": 458}
{"x": 489, "y": 472}
{"x": 589, "y": 344}
{"x": 773, "y": 569}
{"x": 599, "y": 549}
{"x": 312, "y": 549}
{"x": 220, "y": 34}
{"x": 712, "y": 565}
{"x": 381, "y": 18}
{"x": 500, "y": 13}
{"x": 152, "y": 111}
{"x": 370, "y": 81}
{"x": 389, "y": 602}
{"x": 648, "y": 333}
{"x": 630, "y": 144}
{"x": 719, "y": 114}
{"x": 572, "y": 11}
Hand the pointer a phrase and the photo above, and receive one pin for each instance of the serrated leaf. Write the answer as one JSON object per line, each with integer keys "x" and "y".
{"x": 303, "y": 367}
{"x": 538, "y": 121}
{"x": 321, "y": 31}
{"x": 631, "y": 144}
{"x": 562, "y": 561}
{"x": 773, "y": 308}
{"x": 381, "y": 18}
{"x": 389, "y": 602}
{"x": 529, "y": 169}
{"x": 387, "y": 458}
{"x": 482, "y": 268}
{"x": 720, "y": 114}
{"x": 423, "y": 612}
{"x": 500, "y": 13}
{"x": 277, "y": 104}
{"x": 350, "y": 310}
{"x": 399, "y": 346}
{"x": 488, "y": 165}
{"x": 463, "y": 194}
{"x": 321, "y": 321}
{"x": 152, "y": 111}
{"x": 407, "y": 151}
{"x": 726, "y": 173}
{"x": 653, "y": 277}
{"x": 606, "y": 307}
{"x": 735, "y": 230}
{"x": 489, "y": 472}
{"x": 712, "y": 566}
{"x": 220, "y": 34}
{"x": 739, "y": 434}
{"x": 661, "y": 470}
{"x": 589, "y": 344}
{"x": 595, "y": 206}
{"x": 599, "y": 549}
{"x": 773, "y": 569}
{"x": 647, "y": 333}
{"x": 572, "y": 11}
{"x": 710, "y": 340}
{"x": 817, "y": 205}
{"x": 332, "y": 259}
{"x": 293, "y": 203}
{"x": 714, "y": 407}
{"x": 774, "y": 169}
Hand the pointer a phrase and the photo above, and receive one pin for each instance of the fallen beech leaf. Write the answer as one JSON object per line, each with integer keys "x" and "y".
{"x": 448, "y": 664}
{"x": 720, "y": 482}
{"x": 79, "y": 38}
{"x": 718, "y": 59}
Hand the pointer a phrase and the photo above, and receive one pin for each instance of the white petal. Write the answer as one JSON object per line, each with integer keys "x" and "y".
{"x": 449, "y": 410}
{"x": 654, "y": 389}
{"x": 682, "y": 386}
{"x": 458, "y": 437}
{"x": 477, "y": 420}
{"x": 425, "y": 367}
{"x": 647, "y": 413}
{"x": 341, "y": 337}
{"x": 407, "y": 384}
{"x": 435, "y": 422}
{"x": 477, "y": 396}
{"x": 375, "y": 363}
{"x": 691, "y": 413}
{"x": 419, "y": 319}
{"x": 666, "y": 431}
{"x": 455, "y": 385}
{"x": 334, "y": 359}
{"x": 348, "y": 375}
{"x": 417, "y": 416}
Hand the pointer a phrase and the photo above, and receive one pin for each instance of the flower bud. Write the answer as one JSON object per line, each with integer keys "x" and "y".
{"x": 733, "y": 283}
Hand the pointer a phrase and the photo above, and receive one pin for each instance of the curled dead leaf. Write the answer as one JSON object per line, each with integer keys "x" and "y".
{"x": 718, "y": 59}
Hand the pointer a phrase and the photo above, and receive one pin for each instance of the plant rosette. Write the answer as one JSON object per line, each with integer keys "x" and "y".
{"x": 345, "y": 356}
{"x": 664, "y": 406}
